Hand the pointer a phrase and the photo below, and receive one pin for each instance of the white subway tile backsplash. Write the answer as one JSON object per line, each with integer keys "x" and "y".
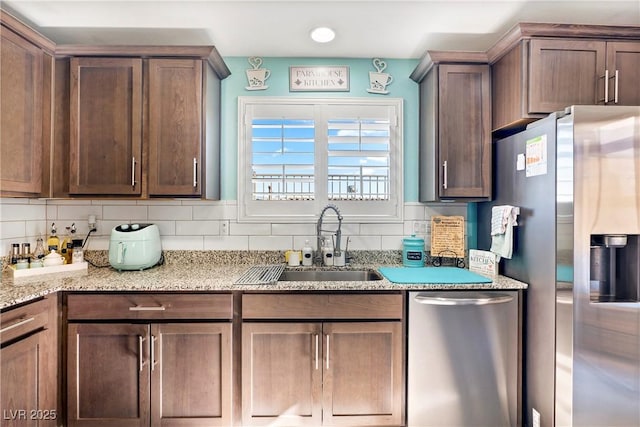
{"x": 26, "y": 212}
{"x": 382, "y": 229}
{"x": 12, "y": 229}
{"x": 369, "y": 243}
{"x": 175, "y": 243}
{"x": 163, "y": 202}
{"x": 249, "y": 229}
{"x": 125, "y": 212}
{"x": 165, "y": 212}
{"x": 204, "y": 228}
{"x": 293, "y": 229}
{"x": 414, "y": 211}
{"x": 168, "y": 228}
{"x": 97, "y": 243}
{"x": 207, "y": 212}
{"x": 195, "y": 225}
{"x": 78, "y": 212}
{"x": 226, "y": 243}
{"x": 270, "y": 243}
{"x": 389, "y": 243}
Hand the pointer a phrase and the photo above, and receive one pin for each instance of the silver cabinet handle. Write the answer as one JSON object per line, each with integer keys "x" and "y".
{"x": 317, "y": 350}
{"x": 606, "y": 86}
{"x": 615, "y": 93}
{"x": 153, "y": 361}
{"x": 327, "y": 351}
{"x": 140, "y": 353}
{"x": 133, "y": 171}
{"x": 462, "y": 299}
{"x": 195, "y": 172}
{"x": 146, "y": 308}
{"x": 19, "y": 323}
{"x": 444, "y": 174}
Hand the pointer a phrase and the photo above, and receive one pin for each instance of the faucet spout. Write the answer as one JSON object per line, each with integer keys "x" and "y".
{"x": 319, "y": 230}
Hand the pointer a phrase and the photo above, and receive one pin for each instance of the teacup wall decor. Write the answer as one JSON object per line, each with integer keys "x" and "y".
{"x": 256, "y": 75}
{"x": 378, "y": 80}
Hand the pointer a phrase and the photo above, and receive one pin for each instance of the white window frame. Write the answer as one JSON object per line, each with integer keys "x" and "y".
{"x": 295, "y": 211}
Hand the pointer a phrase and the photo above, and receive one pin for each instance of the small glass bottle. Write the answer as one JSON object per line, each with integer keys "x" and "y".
{"x": 38, "y": 252}
{"x": 78, "y": 254}
{"x": 15, "y": 253}
{"x": 53, "y": 242}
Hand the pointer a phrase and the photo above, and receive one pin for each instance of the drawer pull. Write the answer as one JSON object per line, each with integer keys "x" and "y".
{"x": 17, "y": 324}
{"x": 147, "y": 308}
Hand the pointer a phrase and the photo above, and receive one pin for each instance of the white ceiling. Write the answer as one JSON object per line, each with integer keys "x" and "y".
{"x": 365, "y": 29}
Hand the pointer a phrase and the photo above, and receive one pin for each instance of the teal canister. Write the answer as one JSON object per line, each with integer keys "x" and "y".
{"x": 413, "y": 251}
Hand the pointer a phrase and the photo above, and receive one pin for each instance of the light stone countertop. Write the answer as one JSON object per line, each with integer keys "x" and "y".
{"x": 197, "y": 276}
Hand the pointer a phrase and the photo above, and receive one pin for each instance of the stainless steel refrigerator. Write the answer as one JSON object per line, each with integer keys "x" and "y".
{"x": 576, "y": 177}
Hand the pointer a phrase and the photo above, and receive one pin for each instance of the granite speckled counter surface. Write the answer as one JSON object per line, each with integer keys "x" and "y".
{"x": 215, "y": 271}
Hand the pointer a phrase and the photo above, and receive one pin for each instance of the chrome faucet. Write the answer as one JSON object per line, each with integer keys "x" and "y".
{"x": 319, "y": 230}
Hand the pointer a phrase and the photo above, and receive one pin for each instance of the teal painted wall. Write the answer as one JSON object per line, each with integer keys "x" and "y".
{"x": 278, "y": 85}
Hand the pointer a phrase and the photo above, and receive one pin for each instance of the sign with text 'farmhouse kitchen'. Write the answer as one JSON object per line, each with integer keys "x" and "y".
{"x": 319, "y": 79}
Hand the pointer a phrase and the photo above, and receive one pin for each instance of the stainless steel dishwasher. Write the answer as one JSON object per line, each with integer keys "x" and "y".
{"x": 463, "y": 359}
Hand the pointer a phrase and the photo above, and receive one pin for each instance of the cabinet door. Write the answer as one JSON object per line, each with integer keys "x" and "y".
{"x": 175, "y": 127}
{"x": 281, "y": 374}
{"x": 564, "y": 73}
{"x": 106, "y": 126}
{"x": 107, "y": 375}
{"x": 464, "y": 131}
{"x": 191, "y": 374}
{"x": 21, "y": 113}
{"x": 363, "y": 371}
{"x": 624, "y": 58}
{"x": 21, "y": 387}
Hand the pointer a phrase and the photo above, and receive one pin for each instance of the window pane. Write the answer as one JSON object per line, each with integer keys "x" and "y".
{"x": 358, "y": 162}
{"x": 283, "y": 155}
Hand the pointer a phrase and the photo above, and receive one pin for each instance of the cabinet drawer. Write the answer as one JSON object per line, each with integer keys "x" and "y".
{"x": 149, "y": 306}
{"x": 322, "y": 306}
{"x": 25, "y": 319}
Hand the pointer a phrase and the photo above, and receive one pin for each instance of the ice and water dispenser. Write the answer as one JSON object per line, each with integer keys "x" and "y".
{"x": 614, "y": 274}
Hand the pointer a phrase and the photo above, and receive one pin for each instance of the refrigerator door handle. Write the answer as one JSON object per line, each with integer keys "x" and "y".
{"x": 469, "y": 298}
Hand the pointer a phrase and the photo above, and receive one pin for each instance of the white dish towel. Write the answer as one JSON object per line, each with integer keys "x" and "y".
{"x": 503, "y": 219}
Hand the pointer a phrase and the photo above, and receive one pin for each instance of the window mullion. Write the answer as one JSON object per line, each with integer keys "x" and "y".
{"x": 321, "y": 151}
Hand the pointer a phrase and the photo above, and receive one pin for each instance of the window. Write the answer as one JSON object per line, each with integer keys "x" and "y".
{"x": 297, "y": 155}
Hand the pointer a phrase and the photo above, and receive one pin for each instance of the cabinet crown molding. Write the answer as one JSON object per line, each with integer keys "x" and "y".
{"x": 208, "y": 53}
{"x": 527, "y": 30}
{"x": 11, "y": 22}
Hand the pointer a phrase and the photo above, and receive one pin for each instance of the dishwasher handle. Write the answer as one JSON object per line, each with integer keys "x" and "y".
{"x": 464, "y": 298}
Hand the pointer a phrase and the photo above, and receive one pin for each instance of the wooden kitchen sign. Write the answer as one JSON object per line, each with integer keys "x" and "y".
{"x": 447, "y": 236}
{"x": 319, "y": 79}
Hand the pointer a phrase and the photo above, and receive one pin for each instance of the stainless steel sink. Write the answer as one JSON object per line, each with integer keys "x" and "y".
{"x": 330, "y": 275}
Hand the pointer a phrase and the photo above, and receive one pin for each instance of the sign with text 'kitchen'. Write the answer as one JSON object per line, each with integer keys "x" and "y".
{"x": 319, "y": 79}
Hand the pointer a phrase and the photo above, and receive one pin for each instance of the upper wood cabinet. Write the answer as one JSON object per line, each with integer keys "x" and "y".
{"x": 538, "y": 69}
{"x": 455, "y": 131}
{"x": 106, "y": 126}
{"x": 143, "y": 121}
{"x": 25, "y": 109}
{"x": 175, "y": 127}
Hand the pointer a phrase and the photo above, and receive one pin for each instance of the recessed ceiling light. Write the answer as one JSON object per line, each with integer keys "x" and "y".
{"x": 322, "y": 34}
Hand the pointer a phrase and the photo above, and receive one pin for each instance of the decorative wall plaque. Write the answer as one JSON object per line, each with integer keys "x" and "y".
{"x": 319, "y": 79}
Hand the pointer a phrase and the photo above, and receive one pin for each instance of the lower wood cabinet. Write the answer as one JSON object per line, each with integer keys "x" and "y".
{"x": 28, "y": 366}
{"x": 155, "y": 373}
{"x": 331, "y": 373}
{"x": 140, "y": 375}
